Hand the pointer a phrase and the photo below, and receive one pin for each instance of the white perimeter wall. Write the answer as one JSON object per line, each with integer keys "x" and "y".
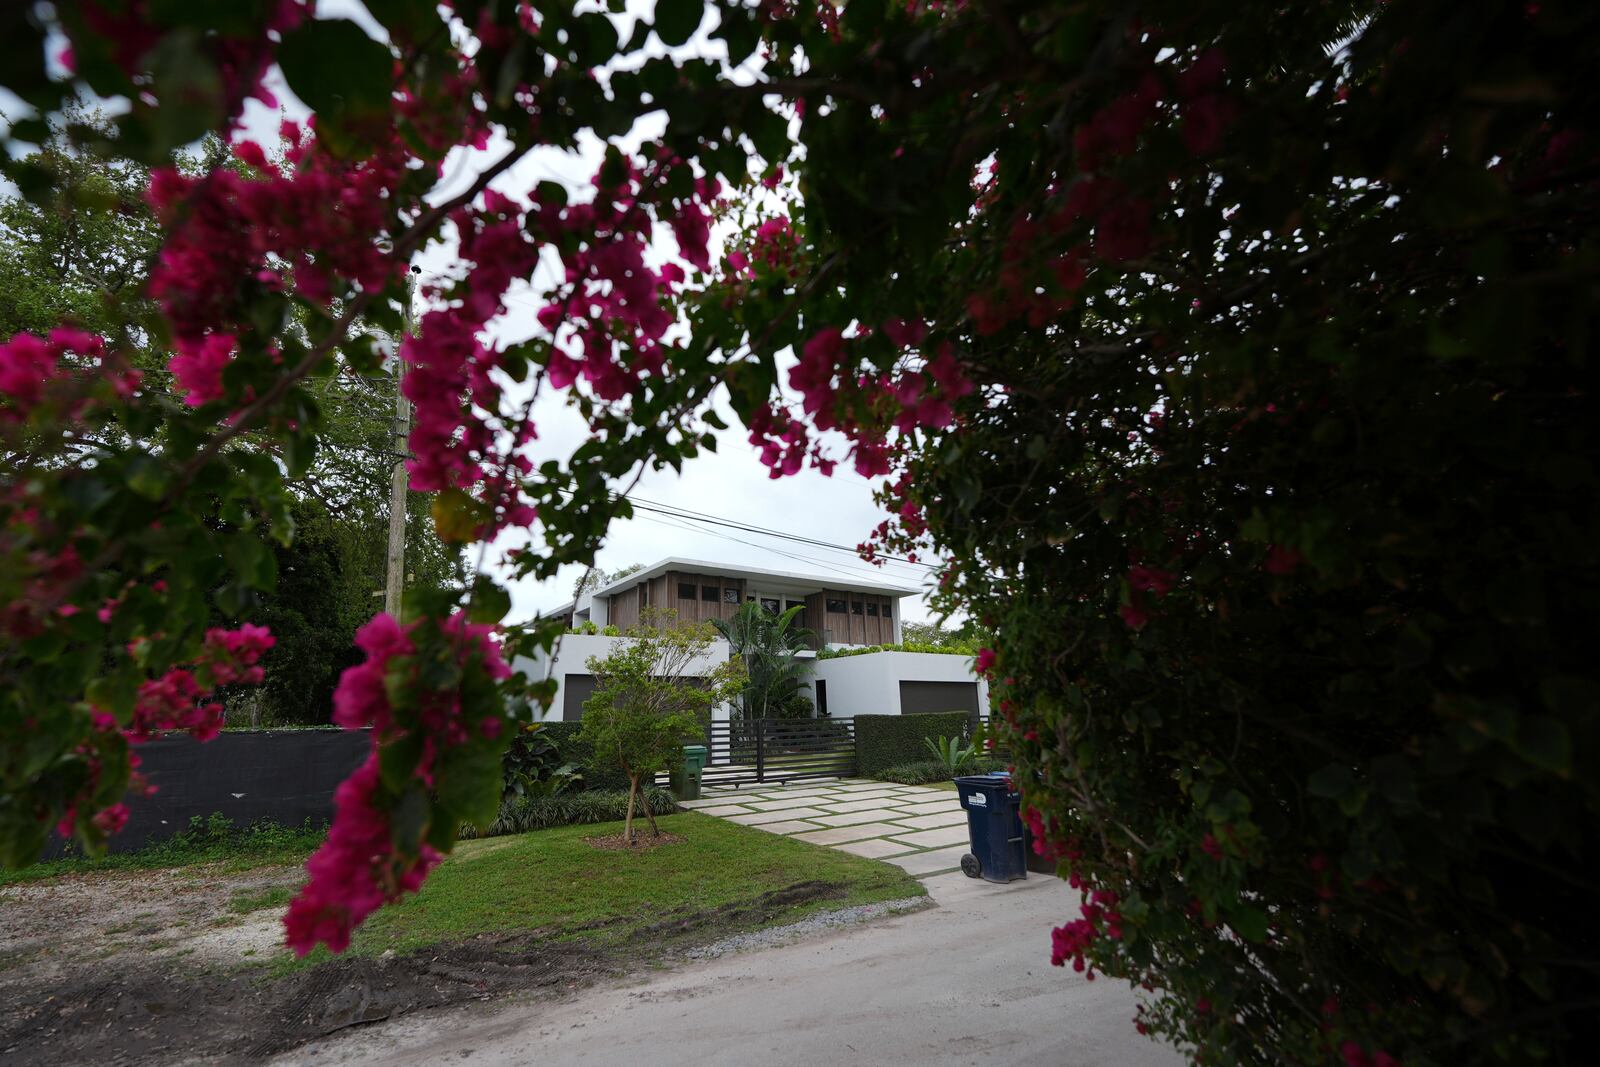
{"x": 572, "y": 657}
{"x": 870, "y": 684}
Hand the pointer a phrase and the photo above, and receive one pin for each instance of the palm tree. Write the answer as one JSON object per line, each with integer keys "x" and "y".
{"x": 768, "y": 644}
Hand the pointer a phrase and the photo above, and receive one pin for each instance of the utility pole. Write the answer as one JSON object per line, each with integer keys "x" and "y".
{"x": 394, "y": 582}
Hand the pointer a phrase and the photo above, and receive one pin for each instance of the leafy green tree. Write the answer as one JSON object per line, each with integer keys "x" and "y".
{"x": 964, "y": 638}
{"x": 653, "y": 694}
{"x": 597, "y": 578}
{"x": 775, "y": 675}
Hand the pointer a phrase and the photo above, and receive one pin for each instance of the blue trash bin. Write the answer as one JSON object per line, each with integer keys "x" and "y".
{"x": 994, "y": 828}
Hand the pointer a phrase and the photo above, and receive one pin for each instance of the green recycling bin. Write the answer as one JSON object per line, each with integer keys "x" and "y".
{"x": 686, "y": 778}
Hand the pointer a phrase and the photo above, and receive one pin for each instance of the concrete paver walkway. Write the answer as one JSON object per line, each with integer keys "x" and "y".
{"x": 918, "y": 828}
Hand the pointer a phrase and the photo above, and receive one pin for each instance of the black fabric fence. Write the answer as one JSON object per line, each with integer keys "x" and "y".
{"x": 285, "y": 776}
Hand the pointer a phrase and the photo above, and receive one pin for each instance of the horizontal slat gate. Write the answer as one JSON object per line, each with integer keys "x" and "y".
{"x": 756, "y": 751}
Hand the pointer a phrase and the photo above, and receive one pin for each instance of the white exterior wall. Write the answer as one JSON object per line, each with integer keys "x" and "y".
{"x": 572, "y": 657}
{"x": 870, "y": 684}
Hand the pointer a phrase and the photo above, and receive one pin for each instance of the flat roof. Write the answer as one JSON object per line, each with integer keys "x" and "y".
{"x": 824, "y": 581}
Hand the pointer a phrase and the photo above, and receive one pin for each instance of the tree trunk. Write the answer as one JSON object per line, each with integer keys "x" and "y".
{"x": 649, "y": 813}
{"x": 633, "y": 792}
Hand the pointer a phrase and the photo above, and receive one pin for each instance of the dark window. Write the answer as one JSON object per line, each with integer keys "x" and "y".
{"x": 787, "y": 604}
{"x": 872, "y": 609}
{"x": 837, "y": 607}
{"x": 856, "y": 608}
{"x": 770, "y": 604}
{"x": 730, "y": 595}
{"x": 822, "y": 697}
{"x": 711, "y": 592}
{"x": 685, "y": 591}
{"x": 644, "y": 594}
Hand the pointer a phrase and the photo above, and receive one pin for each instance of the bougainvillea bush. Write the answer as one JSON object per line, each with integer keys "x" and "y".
{"x": 1234, "y": 357}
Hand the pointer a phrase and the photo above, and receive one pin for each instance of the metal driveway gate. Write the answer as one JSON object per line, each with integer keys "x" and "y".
{"x": 754, "y": 751}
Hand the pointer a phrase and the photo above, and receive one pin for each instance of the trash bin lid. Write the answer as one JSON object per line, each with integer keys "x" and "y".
{"x": 694, "y": 748}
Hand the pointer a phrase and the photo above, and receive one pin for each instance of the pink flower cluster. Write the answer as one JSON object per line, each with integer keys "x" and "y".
{"x": 356, "y": 871}
{"x": 131, "y": 30}
{"x": 198, "y": 366}
{"x": 359, "y": 868}
{"x": 607, "y": 323}
{"x": 177, "y": 700}
{"x": 835, "y": 395}
{"x": 1037, "y": 284}
{"x": 1144, "y": 580}
{"x": 30, "y": 366}
{"x": 325, "y": 217}
{"x": 614, "y": 302}
{"x": 1073, "y": 940}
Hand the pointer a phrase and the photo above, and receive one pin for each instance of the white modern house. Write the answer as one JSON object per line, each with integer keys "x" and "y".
{"x": 843, "y": 612}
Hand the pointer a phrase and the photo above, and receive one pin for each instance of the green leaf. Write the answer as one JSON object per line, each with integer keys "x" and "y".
{"x": 676, "y": 20}
{"x": 1545, "y": 742}
{"x": 456, "y": 516}
{"x": 1249, "y": 923}
{"x": 489, "y": 603}
{"x": 340, "y": 72}
{"x": 1333, "y": 781}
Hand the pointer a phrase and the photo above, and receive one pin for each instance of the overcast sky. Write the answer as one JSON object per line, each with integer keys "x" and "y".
{"x": 731, "y": 483}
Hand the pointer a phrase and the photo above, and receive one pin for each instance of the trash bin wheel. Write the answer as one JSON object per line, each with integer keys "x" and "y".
{"x": 970, "y": 866}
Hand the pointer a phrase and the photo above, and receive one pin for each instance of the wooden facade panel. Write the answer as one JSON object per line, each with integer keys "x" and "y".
{"x": 816, "y": 619}
{"x": 624, "y": 609}
{"x": 696, "y": 608}
{"x": 865, "y": 619}
{"x": 833, "y": 615}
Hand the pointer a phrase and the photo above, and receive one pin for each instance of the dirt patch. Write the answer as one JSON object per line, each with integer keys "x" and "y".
{"x": 161, "y": 966}
{"x": 690, "y": 926}
{"x": 171, "y": 966}
{"x": 138, "y": 1011}
{"x": 642, "y": 842}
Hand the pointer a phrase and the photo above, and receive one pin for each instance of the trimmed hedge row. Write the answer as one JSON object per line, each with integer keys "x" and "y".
{"x": 882, "y": 741}
{"x": 523, "y": 814}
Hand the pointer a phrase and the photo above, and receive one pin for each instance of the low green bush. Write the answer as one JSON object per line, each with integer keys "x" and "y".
{"x": 968, "y": 649}
{"x": 522, "y": 814}
{"x": 920, "y": 773}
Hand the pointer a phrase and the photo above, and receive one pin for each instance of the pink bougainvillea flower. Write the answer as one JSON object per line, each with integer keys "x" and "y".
{"x": 1282, "y": 560}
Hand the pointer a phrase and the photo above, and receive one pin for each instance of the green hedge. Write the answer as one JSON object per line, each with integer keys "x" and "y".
{"x": 564, "y": 735}
{"x": 883, "y": 741}
{"x": 905, "y": 646}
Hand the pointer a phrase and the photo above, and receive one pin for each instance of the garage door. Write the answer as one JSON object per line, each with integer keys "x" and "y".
{"x": 575, "y": 689}
{"x": 919, "y": 698}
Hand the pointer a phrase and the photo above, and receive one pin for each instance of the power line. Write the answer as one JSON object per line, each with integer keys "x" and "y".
{"x": 716, "y": 520}
{"x": 857, "y": 575}
{"x": 677, "y": 512}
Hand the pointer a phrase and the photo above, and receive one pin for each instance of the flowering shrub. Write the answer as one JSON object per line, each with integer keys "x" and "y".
{"x": 1233, "y": 356}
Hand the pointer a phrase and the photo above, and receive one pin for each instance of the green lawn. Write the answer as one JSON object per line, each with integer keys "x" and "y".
{"x": 716, "y": 881}
{"x": 214, "y": 842}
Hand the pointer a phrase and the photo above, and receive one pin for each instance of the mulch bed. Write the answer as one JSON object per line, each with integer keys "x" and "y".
{"x": 642, "y": 841}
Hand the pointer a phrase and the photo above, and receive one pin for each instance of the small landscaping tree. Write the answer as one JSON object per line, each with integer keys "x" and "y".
{"x": 651, "y": 697}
